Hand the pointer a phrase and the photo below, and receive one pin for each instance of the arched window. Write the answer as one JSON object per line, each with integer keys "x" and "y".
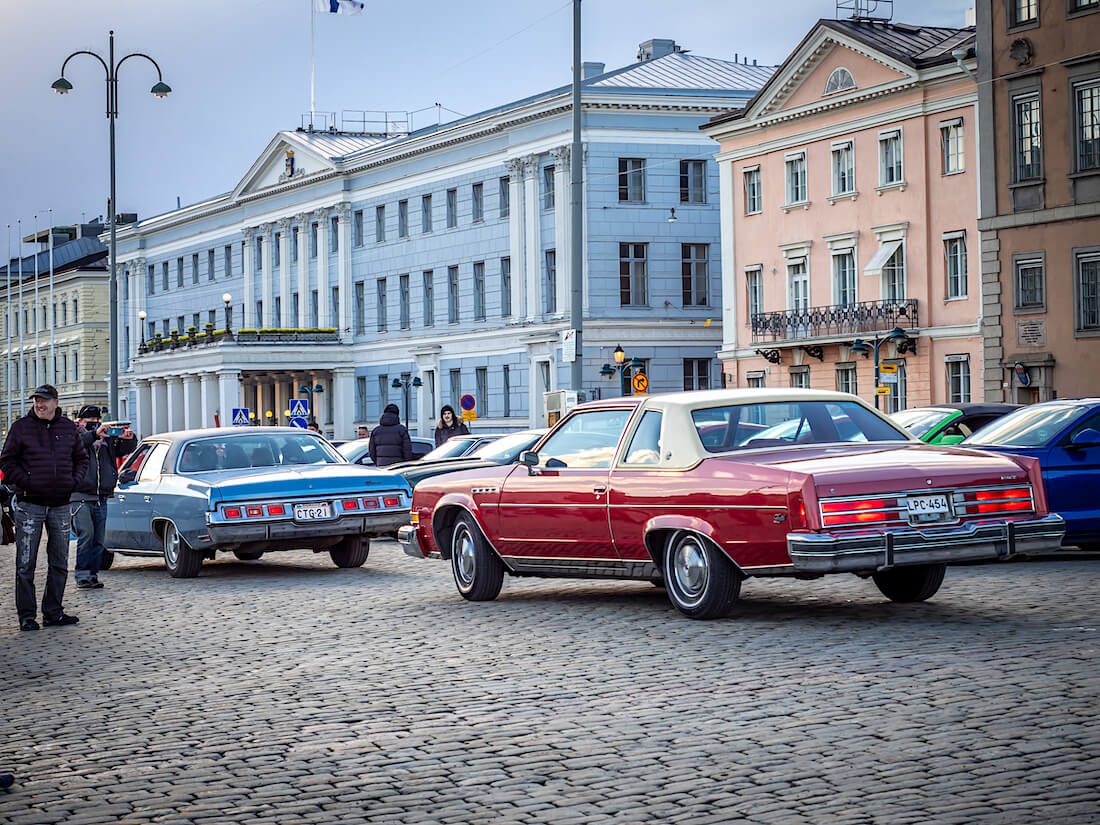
{"x": 840, "y": 80}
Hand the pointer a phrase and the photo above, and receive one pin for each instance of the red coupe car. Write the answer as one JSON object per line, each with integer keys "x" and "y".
{"x": 701, "y": 490}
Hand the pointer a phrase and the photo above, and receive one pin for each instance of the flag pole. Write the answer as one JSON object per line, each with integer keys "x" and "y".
{"x": 21, "y": 321}
{"x": 53, "y": 307}
{"x": 38, "y": 379}
{"x": 7, "y": 329}
{"x": 312, "y": 49}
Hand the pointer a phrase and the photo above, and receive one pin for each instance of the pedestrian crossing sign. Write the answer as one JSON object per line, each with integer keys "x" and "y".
{"x": 299, "y": 407}
{"x": 240, "y": 417}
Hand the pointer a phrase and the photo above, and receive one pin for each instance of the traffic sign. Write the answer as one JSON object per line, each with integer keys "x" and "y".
{"x": 299, "y": 421}
{"x": 240, "y": 416}
{"x": 882, "y": 390}
{"x": 299, "y": 407}
{"x": 467, "y": 402}
{"x": 640, "y": 383}
{"x": 888, "y": 368}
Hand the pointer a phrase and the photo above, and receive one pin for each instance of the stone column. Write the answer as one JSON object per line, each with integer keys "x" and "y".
{"x": 174, "y": 402}
{"x": 323, "y": 315}
{"x": 280, "y": 401}
{"x": 303, "y": 270}
{"x": 729, "y": 271}
{"x": 137, "y": 303}
{"x": 343, "y": 210}
{"x": 563, "y": 227}
{"x": 208, "y": 395}
{"x": 143, "y": 422}
{"x": 516, "y": 248}
{"x": 531, "y": 241}
{"x": 249, "y": 321}
{"x": 343, "y": 402}
{"x": 229, "y": 395}
{"x": 284, "y": 319}
{"x": 159, "y": 406}
{"x": 267, "y": 275}
{"x": 192, "y": 403}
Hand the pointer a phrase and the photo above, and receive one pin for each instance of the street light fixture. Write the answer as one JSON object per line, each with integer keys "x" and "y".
{"x": 142, "y": 315}
{"x": 226, "y": 299}
{"x": 865, "y": 348}
{"x": 625, "y": 369}
{"x": 404, "y": 384}
{"x": 160, "y": 89}
{"x": 619, "y": 355}
{"x": 305, "y": 388}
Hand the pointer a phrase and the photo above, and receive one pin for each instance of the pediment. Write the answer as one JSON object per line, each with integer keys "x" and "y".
{"x": 272, "y": 167}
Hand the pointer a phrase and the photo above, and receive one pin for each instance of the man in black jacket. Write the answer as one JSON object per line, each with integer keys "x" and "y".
{"x": 390, "y": 442}
{"x": 42, "y": 460}
{"x": 89, "y": 501}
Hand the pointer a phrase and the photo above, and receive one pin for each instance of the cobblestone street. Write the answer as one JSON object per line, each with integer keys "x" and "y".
{"x": 287, "y": 690}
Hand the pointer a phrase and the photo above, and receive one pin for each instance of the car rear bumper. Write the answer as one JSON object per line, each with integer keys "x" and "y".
{"x": 375, "y": 524}
{"x": 408, "y": 536}
{"x": 881, "y": 550}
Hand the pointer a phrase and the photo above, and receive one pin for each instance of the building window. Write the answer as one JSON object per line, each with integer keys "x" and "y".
{"x": 1083, "y": 5}
{"x": 314, "y": 309}
{"x": 1028, "y": 137}
{"x": 754, "y": 283}
{"x": 383, "y": 392}
{"x": 313, "y": 240}
{"x": 359, "y": 310}
{"x": 550, "y": 282}
{"x": 428, "y": 281}
{"x": 164, "y": 276}
{"x": 357, "y": 226}
{"x": 954, "y": 252}
{"x": 1030, "y": 283}
{"x": 452, "y": 208}
{"x": 380, "y": 291}
{"x": 195, "y": 267}
{"x": 696, "y": 374}
{"x": 227, "y": 261}
{"x": 896, "y": 400}
{"x": 633, "y": 286}
{"x": 276, "y": 248}
{"x": 259, "y": 313}
{"x": 1087, "y": 98}
{"x": 840, "y": 80}
{"x": 800, "y": 377}
{"x": 695, "y": 274}
{"x": 958, "y": 379}
{"x": 890, "y": 170}
{"x": 846, "y": 378}
{"x": 295, "y": 306}
{"x": 179, "y": 272}
{"x": 294, "y": 235}
{"x": 1088, "y": 292}
{"x": 150, "y": 280}
{"x": 844, "y": 169}
{"x": 481, "y": 389}
{"x": 452, "y": 295}
{"x": 632, "y": 179}
{"x": 403, "y": 299}
{"x": 548, "y": 187}
{"x": 212, "y": 317}
{"x": 1024, "y": 11}
{"x": 456, "y": 387}
{"x": 893, "y": 276}
{"x": 844, "y": 277}
{"x": 360, "y": 398}
{"x": 795, "y": 166}
{"x": 210, "y": 264}
{"x": 504, "y": 185}
{"x": 693, "y": 181}
{"x": 477, "y": 202}
{"x": 507, "y": 377}
{"x": 753, "y": 201}
{"x": 426, "y": 213}
{"x": 951, "y": 146}
{"x": 402, "y": 219}
{"x": 479, "y": 291}
{"x": 334, "y": 234}
{"x": 334, "y": 307}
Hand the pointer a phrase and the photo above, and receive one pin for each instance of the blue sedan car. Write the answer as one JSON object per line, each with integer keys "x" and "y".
{"x": 188, "y": 495}
{"x": 1065, "y": 436}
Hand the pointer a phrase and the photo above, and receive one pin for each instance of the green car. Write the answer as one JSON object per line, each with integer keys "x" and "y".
{"x": 950, "y": 423}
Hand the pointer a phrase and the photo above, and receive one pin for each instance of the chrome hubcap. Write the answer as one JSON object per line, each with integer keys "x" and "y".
{"x": 689, "y": 565}
{"x": 172, "y": 546}
{"x": 463, "y": 552}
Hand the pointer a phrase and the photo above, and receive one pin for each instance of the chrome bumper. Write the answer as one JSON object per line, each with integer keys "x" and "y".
{"x": 380, "y": 524}
{"x": 881, "y": 550}
{"x": 409, "y": 540}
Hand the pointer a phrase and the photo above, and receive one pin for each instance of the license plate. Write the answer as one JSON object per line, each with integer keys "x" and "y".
{"x": 927, "y": 506}
{"x": 312, "y": 512}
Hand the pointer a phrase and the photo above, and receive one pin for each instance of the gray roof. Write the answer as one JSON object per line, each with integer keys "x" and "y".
{"x": 682, "y": 71}
{"x": 334, "y": 145}
{"x": 919, "y": 46}
{"x": 82, "y": 252}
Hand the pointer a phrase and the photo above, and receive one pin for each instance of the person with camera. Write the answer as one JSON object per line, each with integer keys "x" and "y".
{"x": 105, "y": 445}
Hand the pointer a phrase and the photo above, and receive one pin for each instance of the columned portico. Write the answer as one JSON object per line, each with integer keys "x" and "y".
{"x": 325, "y": 319}
{"x": 174, "y": 398}
{"x": 532, "y": 264}
{"x": 343, "y": 268}
{"x": 267, "y": 275}
{"x": 248, "y": 257}
{"x": 144, "y": 407}
{"x": 192, "y": 403}
{"x": 563, "y": 225}
{"x": 208, "y": 395}
{"x": 516, "y": 241}
{"x": 159, "y": 410}
{"x": 303, "y": 270}
{"x": 284, "y": 318}
{"x": 229, "y": 395}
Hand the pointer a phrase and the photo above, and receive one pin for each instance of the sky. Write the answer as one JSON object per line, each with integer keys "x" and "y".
{"x": 239, "y": 71}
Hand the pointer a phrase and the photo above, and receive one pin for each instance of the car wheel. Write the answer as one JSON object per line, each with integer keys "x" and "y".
{"x": 700, "y": 581}
{"x": 478, "y": 572}
{"x": 181, "y": 560}
{"x": 351, "y": 552}
{"x": 248, "y": 555}
{"x": 106, "y": 559}
{"x": 910, "y": 584}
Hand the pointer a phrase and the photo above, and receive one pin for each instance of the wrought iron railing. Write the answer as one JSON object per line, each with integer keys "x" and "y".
{"x": 865, "y": 317}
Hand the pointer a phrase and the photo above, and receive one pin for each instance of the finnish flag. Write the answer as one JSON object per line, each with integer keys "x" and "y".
{"x": 338, "y": 6}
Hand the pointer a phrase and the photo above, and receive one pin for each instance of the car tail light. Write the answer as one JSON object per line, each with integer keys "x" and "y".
{"x": 863, "y": 511}
{"x": 254, "y": 511}
{"x": 232, "y": 512}
{"x": 1007, "y": 500}
{"x": 276, "y": 510}
{"x": 370, "y": 504}
{"x": 391, "y": 501}
{"x": 350, "y": 504}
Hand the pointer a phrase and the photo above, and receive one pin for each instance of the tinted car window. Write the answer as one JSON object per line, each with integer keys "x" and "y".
{"x": 243, "y": 451}
{"x": 645, "y": 445}
{"x": 586, "y": 439}
{"x": 778, "y": 424}
{"x": 921, "y": 421}
{"x": 1029, "y": 427}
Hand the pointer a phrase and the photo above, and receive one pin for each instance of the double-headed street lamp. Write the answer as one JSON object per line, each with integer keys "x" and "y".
{"x": 623, "y": 367}
{"x": 305, "y": 388}
{"x": 895, "y": 336}
{"x": 160, "y": 89}
{"x": 405, "y": 383}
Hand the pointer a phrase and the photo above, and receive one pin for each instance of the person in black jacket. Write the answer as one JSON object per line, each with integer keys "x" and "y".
{"x": 88, "y": 502}
{"x": 43, "y": 460}
{"x": 449, "y": 426}
{"x": 390, "y": 442}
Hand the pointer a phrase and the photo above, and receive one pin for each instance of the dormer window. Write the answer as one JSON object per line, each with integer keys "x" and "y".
{"x": 840, "y": 80}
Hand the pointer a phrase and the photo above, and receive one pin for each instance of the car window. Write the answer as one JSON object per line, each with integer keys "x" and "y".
{"x": 505, "y": 450}
{"x": 237, "y": 452}
{"x": 645, "y": 444}
{"x": 452, "y": 448}
{"x": 779, "y": 424}
{"x": 151, "y": 467}
{"x": 1027, "y": 427}
{"x": 137, "y": 457}
{"x": 921, "y": 421}
{"x": 1090, "y": 423}
{"x": 586, "y": 439}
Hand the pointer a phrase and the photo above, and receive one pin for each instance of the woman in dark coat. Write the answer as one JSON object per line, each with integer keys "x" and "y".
{"x": 449, "y": 426}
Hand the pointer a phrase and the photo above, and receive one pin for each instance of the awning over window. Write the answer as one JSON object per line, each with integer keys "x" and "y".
{"x": 886, "y": 250}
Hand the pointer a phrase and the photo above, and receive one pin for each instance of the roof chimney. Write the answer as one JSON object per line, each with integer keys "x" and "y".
{"x": 971, "y": 17}
{"x": 655, "y": 48}
{"x": 591, "y": 69}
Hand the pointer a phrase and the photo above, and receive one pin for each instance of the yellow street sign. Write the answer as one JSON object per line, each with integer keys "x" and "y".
{"x": 469, "y": 415}
{"x": 888, "y": 368}
{"x": 640, "y": 383}
{"x": 882, "y": 390}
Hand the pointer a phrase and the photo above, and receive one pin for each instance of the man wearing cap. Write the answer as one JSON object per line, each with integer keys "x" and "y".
{"x": 89, "y": 499}
{"x": 43, "y": 460}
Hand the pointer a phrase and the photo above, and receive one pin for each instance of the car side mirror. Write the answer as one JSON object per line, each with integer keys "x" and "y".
{"x": 529, "y": 457}
{"x": 127, "y": 476}
{"x": 1086, "y": 438}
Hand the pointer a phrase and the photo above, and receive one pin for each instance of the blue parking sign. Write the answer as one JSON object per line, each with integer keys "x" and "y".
{"x": 299, "y": 421}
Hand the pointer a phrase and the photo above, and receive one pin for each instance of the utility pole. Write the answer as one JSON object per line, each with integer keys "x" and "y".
{"x": 576, "y": 262}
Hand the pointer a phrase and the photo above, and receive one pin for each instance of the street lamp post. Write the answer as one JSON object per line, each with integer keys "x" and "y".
{"x": 312, "y": 403}
{"x": 227, "y": 299}
{"x": 895, "y": 336}
{"x": 142, "y": 315}
{"x": 159, "y": 89}
{"x": 404, "y": 384}
{"x": 623, "y": 367}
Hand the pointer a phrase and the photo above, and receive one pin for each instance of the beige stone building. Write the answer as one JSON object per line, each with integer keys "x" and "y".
{"x": 59, "y": 335}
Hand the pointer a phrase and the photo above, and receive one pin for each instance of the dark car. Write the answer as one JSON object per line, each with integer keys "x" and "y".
{"x": 950, "y": 423}
{"x": 500, "y": 450}
{"x": 1065, "y": 436}
{"x": 460, "y": 445}
{"x": 358, "y": 451}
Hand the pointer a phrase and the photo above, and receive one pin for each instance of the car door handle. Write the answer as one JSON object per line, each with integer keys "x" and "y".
{"x": 599, "y": 491}
{"x": 121, "y": 497}
{"x": 148, "y": 499}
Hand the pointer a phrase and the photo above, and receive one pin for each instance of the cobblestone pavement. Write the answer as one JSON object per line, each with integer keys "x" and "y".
{"x": 286, "y": 691}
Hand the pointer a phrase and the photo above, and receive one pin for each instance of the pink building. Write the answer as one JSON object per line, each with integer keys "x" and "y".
{"x": 849, "y": 194}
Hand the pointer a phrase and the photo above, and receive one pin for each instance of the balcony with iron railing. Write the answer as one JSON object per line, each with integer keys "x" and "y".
{"x": 818, "y": 324}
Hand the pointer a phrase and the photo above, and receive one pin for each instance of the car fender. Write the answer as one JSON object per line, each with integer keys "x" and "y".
{"x": 659, "y": 528}
{"x": 444, "y": 514}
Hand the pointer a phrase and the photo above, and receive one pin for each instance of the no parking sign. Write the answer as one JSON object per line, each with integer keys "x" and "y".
{"x": 469, "y": 407}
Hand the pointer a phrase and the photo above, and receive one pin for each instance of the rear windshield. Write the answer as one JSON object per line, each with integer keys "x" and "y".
{"x": 452, "y": 448}
{"x": 1028, "y": 427}
{"x": 507, "y": 449}
{"x": 238, "y": 452}
{"x": 785, "y": 423}
{"x": 921, "y": 420}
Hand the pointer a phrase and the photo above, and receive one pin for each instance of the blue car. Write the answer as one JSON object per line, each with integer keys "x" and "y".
{"x": 249, "y": 490}
{"x": 1065, "y": 436}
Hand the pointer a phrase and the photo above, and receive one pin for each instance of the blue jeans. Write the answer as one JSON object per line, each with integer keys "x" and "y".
{"x": 89, "y": 524}
{"x": 29, "y": 521}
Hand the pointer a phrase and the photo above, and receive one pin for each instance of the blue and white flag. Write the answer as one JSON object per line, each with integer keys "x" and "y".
{"x": 338, "y": 6}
